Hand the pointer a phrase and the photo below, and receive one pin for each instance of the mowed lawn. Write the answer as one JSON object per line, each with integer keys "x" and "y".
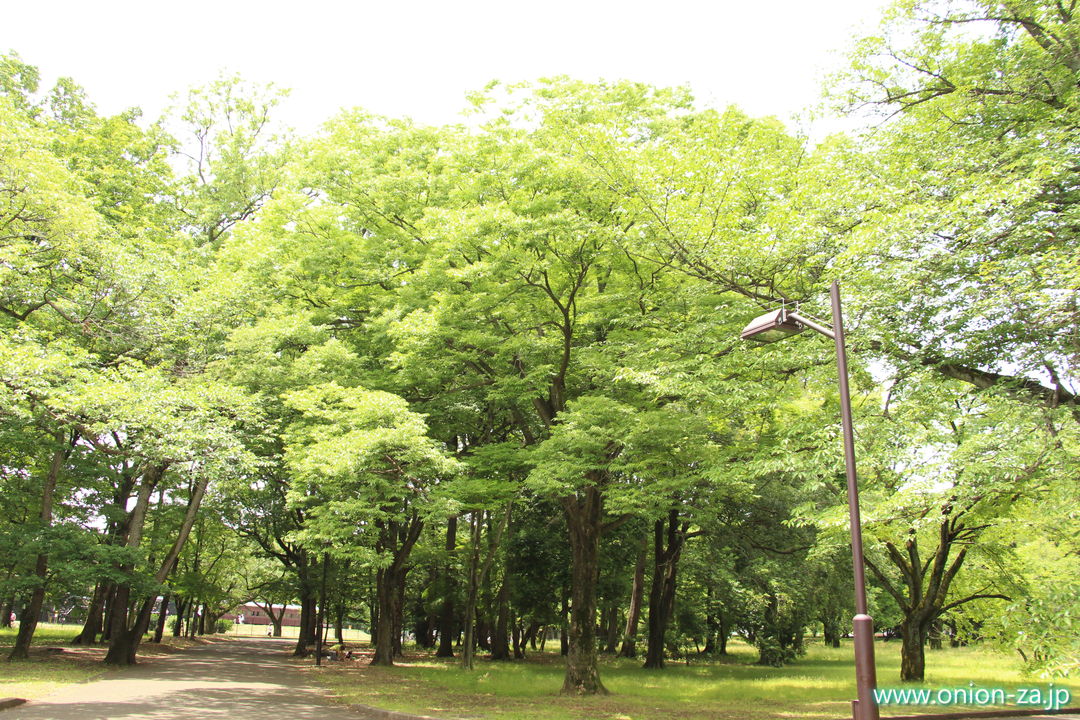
{"x": 46, "y": 672}
{"x": 820, "y": 685}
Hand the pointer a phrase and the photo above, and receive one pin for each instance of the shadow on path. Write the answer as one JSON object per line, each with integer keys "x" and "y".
{"x": 247, "y": 679}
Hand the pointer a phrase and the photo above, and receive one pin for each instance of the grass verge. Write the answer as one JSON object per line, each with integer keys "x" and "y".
{"x": 816, "y": 687}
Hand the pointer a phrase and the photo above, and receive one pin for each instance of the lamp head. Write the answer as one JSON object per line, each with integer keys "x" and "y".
{"x": 772, "y": 326}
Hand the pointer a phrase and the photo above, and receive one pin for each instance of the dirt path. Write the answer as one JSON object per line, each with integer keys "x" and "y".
{"x": 238, "y": 679}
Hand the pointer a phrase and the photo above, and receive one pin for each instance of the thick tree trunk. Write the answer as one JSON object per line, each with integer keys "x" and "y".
{"x": 637, "y": 595}
{"x": 28, "y": 622}
{"x": 119, "y": 642}
{"x": 125, "y": 641}
{"x": 92, "y": 626}
{"x": 500, "y": 642}
{"x": 386, "y": 593}
{"x": 446, "y": 612}
{"x": 305, "y": 635}
{"x": 913, "y": 651}
{"x": 583, "y": 518}
{"x": 397, "y": 538}
{"x": 305, "y": 631}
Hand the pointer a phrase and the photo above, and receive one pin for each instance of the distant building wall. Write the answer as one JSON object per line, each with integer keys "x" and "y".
{"x": 255, "y": 615}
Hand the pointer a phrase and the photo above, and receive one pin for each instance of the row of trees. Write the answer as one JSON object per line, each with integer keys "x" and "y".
{"x": 481, "y": 382}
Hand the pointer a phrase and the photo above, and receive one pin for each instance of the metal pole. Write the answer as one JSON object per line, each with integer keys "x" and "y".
{"x": 863, "y": 625}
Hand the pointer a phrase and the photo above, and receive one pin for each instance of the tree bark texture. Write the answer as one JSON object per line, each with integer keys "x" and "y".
{"x": 396, "y": 538}
{"x": 446, "y": 612}
{"x": 29, "y": 620}
{"x": 668, "y": 539}
{"x": 583, "y": 519}
{"x": 637, "y": 594}
{"x": 92, "y": 626}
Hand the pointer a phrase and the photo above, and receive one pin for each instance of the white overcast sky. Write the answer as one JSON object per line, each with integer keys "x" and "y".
{"x": 418, "y": 58}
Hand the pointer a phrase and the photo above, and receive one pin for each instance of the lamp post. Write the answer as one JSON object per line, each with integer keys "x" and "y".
{"x": 778, "y": 325}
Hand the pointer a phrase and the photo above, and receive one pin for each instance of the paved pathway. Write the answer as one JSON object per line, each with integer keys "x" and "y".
{"x": 235, "y": 679}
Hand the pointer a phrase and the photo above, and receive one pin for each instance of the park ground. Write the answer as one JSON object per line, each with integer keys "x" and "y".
{"x": 818, "y": 686}
{"x": 55, "y": 663}
{"x": 234, "y": 678}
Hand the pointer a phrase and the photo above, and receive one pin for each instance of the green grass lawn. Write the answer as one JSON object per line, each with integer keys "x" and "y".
{"x": 44, "y": 673}
{"x": 819, "y": 685}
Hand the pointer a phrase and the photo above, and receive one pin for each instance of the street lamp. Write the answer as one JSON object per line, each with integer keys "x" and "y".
{"x": 778, "y": 325}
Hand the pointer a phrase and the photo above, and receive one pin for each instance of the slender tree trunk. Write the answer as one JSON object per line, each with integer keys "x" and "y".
{"x": 181, "y": 611}
{"x": 92, "y": 625}
{"x": 446, "y": 612}
{"x": 399, "y": 610}
{"x": 373, "y": 623}
{"x": 711, "y": 629}
{"x": 339, "y": 622}
{"x": 564, "y": 613}
{"x": 163, "y": 615}
{"x": 5, "y": 611}
{"x": 612, "y": 645}
{"x": 468, "y": 642}
{"x": 662, "y": 592}
{"x": 531, "y": 634}
{"x": 583, "y": 518}
{"x": 275, "y": 620}
{"x": 320, "y": 621}
{"x": 106, "y": 612}
{"x": 517, "y": 639}
{"x": 29, "y": 621}
{"x": 934, "y": 635}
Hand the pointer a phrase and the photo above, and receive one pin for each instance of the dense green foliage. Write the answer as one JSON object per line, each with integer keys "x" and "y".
{"x": 484, "y": 385}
